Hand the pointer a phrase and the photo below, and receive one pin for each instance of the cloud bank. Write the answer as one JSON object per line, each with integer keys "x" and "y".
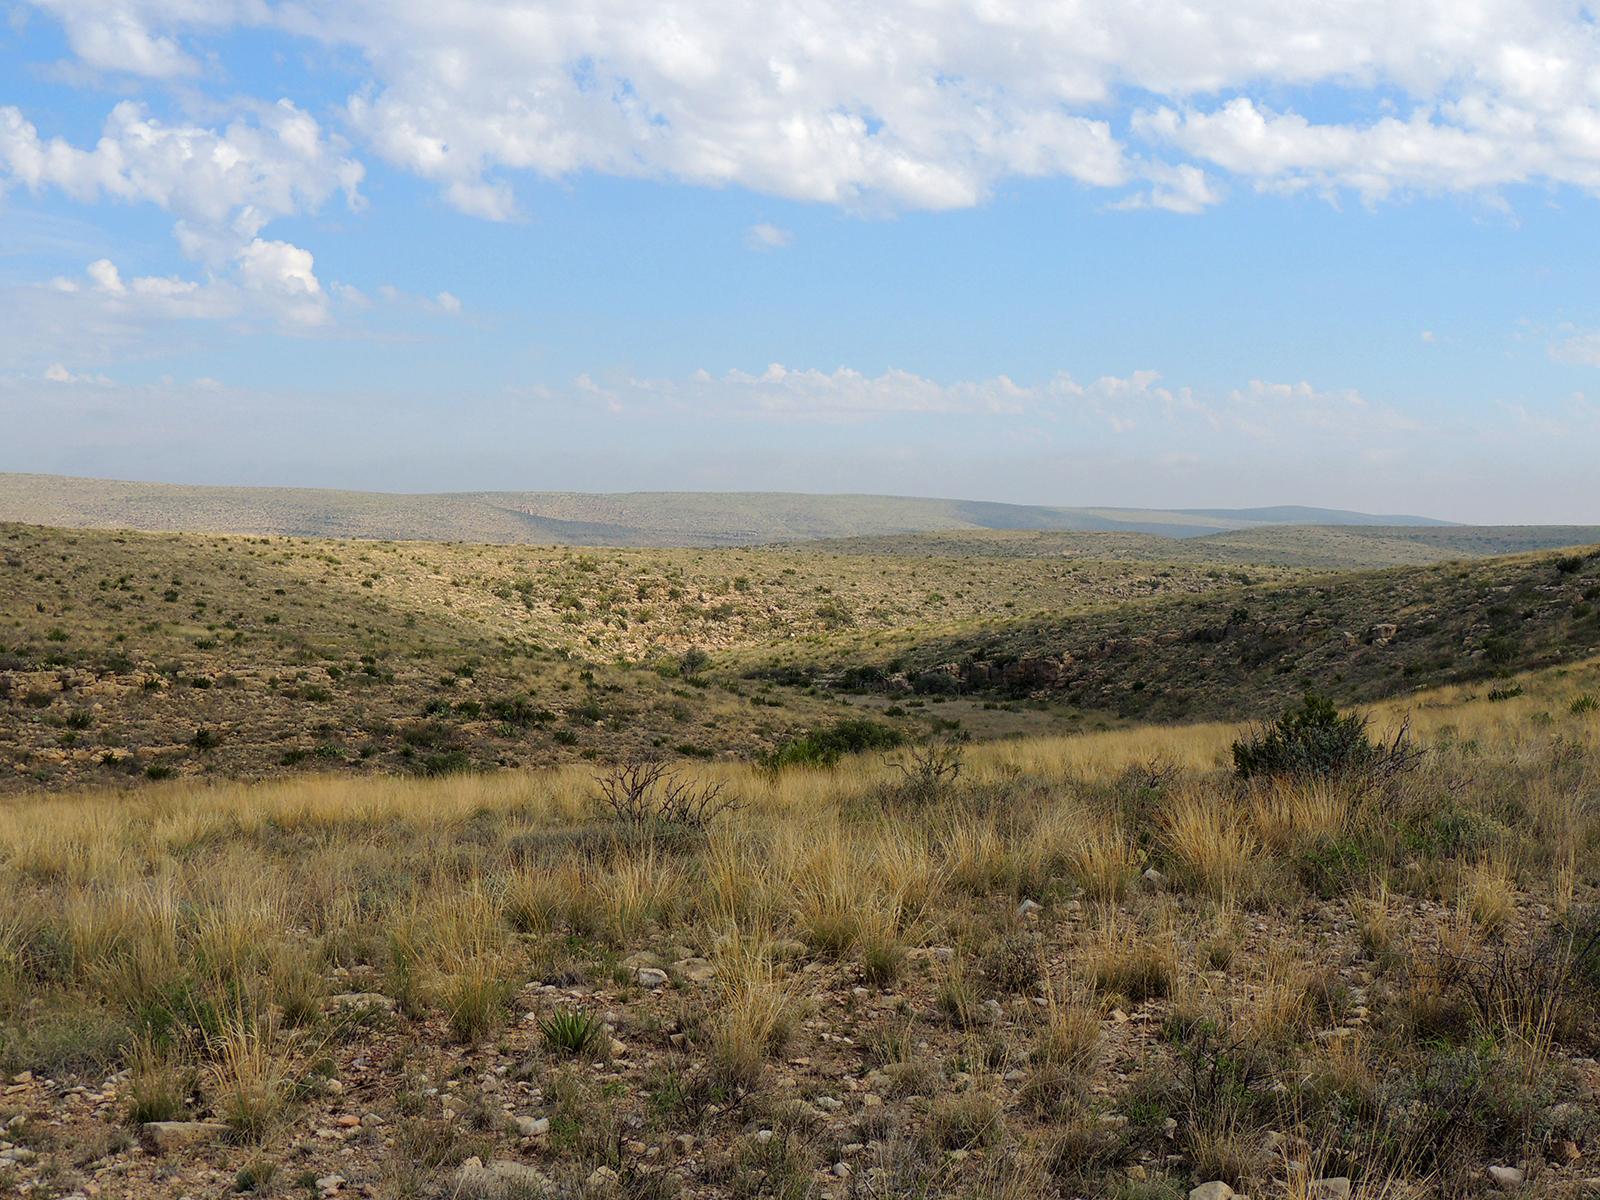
{"x": 910, "y": 103}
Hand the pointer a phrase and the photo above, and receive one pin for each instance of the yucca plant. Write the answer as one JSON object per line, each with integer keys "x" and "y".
{"x": 573, "y": 1031}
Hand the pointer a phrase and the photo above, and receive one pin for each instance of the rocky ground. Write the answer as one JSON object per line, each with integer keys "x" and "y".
{"x": 878, "y": 1090}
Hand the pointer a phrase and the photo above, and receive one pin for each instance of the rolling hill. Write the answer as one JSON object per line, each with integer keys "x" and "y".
{"x": 1323, "y": 547}
{"x": 137, "y": 655}
{"x": 575, "y": 518}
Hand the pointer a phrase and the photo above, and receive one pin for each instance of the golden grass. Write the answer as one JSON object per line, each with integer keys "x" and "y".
{"x": 233, "y": 911}
{"x": 1211, "y": 843}
{"x": 754, "y": 1012}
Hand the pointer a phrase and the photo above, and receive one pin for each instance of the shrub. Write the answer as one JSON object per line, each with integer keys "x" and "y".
{"x": 1316, "y": 741}
{"x": 825, "y": 747}
{"x": 646, "y": 793}
{"x": 932, "y": 767}
{"x": 445, "y": 762}
{"x": 518, "y": 710}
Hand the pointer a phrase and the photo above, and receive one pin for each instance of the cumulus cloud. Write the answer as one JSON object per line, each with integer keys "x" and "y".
{"x": 274, "y": 280}
{"x": 929, "y": 105}
{"x": 224, "y": 185}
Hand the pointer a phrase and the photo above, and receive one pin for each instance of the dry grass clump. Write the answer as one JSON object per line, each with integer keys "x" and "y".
{"x": 1289, "y": 813}
{"x": 1209, "y": 843}
{"x": 161, "y": 1084}
{"x": 1104, "y": 861}
{"x": 252, "y": 1074}
{"x": 1489, "y": 894}
{"x": 1070, "y": 1036}
{"x": 754, "y": 1010}
{"x": 1123, "y": 960}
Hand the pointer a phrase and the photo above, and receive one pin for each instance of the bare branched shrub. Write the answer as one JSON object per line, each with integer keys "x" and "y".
{"x": 648, "y": 792}
{"x": 1524, "y": 993}
{"x": 931, "y": 768}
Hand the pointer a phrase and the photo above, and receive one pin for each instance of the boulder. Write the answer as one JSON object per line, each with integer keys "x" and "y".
{"x": 361, "y": 1000}
{"x": 695, "y": 970}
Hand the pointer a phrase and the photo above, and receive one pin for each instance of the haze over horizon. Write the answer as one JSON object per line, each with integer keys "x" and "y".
{"x": 1184, "y": 255}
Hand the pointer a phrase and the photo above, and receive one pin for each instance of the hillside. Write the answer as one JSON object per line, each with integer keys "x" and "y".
{"x": 572, "y": 518}
{"x": 130, "y": 653}
{"x": 1244, "y": 651}
{"x": 1093, "y": 967}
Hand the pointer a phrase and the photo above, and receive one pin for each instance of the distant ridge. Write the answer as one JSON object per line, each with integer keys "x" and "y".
{"x": 1294, "y": 514}
{"x": 597, "y": 519}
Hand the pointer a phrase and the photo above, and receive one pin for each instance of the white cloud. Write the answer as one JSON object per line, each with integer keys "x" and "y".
{"x": 274, "y": 281}
{"x": 282, "y": 273}
{"x": 928, "y": 105}
{"x": 224, "y": 185}
{"x": 1183, "y": 188}
{"x": 58, "y": 373}
{"x": 1578, "y": 349}
{"x": 767, "y": 237}
{"x": 1138, "y": 404}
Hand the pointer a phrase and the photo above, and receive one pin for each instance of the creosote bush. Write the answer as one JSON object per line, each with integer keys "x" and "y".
{"x": 1314, "y": 740}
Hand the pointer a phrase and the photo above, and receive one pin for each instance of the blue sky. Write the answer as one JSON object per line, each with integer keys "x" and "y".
{"x": 1078, "y": 258}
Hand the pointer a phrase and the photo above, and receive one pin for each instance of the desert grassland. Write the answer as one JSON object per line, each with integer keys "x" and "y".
{"x": 1387, "y": 983}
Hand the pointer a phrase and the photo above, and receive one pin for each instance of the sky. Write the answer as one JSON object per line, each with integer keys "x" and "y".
{"x": 1181, "y": 253}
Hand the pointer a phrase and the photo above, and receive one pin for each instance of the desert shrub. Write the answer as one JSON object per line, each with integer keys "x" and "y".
{"x": 1011, "y": 965}
{"x": 826, "y": 746}
{"x": 1447, "y": 1114}
{"x": 1314, "y": 740}
{"x": 445, "y": 762}
{"x": 1331, "y": 866}
{"x": 517, "y": 710}
{"x": 929, "y": 770}
{"x": 650, "y": 793}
